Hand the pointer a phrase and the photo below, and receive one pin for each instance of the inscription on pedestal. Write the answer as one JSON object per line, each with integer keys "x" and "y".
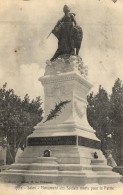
{"x": 63, "y": 140}
{"x": 82, "y": 141}
{"x": 52, "y": 141}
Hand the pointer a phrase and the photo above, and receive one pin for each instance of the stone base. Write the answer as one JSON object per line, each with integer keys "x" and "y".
{"x": 119, "y": 169}
{"x": 67, "y": 168}
{"x": 71, "y": 160}
{"x": 60, "y": 175}
{"x": 72, "y": 154}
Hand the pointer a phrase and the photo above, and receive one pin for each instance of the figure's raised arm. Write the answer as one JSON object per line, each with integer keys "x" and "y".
{"x": 73, "y": 18}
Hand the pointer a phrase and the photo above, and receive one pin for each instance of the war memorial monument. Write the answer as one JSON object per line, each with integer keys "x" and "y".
{"x": 63, "y": 149}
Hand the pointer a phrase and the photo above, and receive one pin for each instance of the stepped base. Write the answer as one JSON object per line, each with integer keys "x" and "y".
{"x": 60, "y": 179}
{"x": 60, "y": 174}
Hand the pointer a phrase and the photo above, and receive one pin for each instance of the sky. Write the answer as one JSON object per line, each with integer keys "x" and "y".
{"x": 24, "y": 49}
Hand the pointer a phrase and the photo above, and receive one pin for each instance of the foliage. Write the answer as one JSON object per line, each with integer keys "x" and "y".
{"x": 105, "y": 115}
{"x": 17, "y": 119}
{"x": 55, "y": 112}
{"x": 97, "y": 113}
{"x": 116, "y": 116}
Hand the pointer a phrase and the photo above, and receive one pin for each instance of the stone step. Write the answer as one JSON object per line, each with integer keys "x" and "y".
{"x": 45, "y": 166}
{"x": 89, "y": 175}
{"x": 64, "y": 178}
{"x": 105, "y": 173}
{"x": 50, "y": 160}
{"x": 70, "y": 167}
{"x": 68, "y": 172}
{"x": 35, "y": 166}
{"x": 85, "y": 167}
{"x": 29, "y": 178}
{"x": 96, "y": 161}
{"x": 32, "y": 171}
{"x": 24, "y": 160}
{"x": 40, "y": 166}
{"x": 100, "y": 164}
{"x": 65, "y": 160}
{"x": 61, "y": 167}
{"x": 20, "y": 166}
{"x": 45, "y": 172}
{"x": 101, "y": 168}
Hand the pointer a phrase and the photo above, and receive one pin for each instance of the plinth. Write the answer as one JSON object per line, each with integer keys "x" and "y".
{"x": 61, "y": 149}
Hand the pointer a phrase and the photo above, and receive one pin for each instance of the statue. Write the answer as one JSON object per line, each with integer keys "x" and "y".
{"x": 69, "y": 35}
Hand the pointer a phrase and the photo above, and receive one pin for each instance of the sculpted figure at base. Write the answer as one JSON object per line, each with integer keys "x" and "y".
{"x": 68, "y": 33}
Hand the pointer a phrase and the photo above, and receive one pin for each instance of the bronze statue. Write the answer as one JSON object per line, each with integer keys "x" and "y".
{"x": 69, "y": 35}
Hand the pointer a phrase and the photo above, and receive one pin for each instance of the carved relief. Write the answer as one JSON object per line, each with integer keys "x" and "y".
{"x": 80, "y": 109}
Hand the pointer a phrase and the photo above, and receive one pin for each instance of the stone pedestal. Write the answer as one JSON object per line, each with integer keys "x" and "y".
{"x": 68, "y": 137}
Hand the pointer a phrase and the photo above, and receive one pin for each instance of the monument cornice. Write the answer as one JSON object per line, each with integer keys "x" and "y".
{"x": 63, "y": 126}
{"x": 65, "y": 77}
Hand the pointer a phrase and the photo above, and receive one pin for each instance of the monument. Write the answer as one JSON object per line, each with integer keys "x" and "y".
{"x": 63, "y": 149}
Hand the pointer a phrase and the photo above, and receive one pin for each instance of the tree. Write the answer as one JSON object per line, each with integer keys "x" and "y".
{"x": 17, "y": 119}
{"x": 116, "y": 116}
{"x": 98, "y": 117}
{"x": 105, "y": 115}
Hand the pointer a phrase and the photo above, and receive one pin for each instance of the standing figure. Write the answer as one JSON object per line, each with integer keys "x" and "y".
{"x": 66, "y": 32}
{"x": 110, "y": 161}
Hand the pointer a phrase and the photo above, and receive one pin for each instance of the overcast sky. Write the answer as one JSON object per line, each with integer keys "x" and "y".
{"x": 24, "y": 49}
